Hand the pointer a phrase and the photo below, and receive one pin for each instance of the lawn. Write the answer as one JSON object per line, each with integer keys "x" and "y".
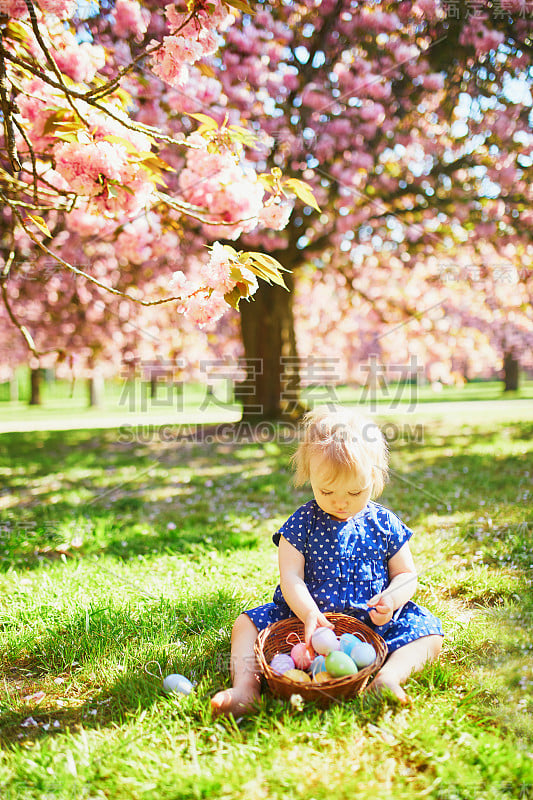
{"x": 124, "y": 556}
{"x": 65, "y": 406}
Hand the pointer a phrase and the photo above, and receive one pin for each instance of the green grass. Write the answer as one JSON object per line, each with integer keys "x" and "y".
{"x": 129, "y": 403}
{"x": 121, "y": 558}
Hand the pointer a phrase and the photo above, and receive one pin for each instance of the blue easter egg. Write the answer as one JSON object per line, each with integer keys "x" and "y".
{"x": 347, "y": 642}
{"x": 318, "y": 665}
{"x": 363, "y": 654}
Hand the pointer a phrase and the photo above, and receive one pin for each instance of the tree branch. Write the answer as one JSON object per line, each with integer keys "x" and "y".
{"x": 90, "y": 278}
{"x": 7, "y": 108}
{"x": 111, "y": 85}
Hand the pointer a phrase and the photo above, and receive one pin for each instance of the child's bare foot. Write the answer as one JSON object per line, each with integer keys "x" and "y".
{"x": 234, "y": 701}
{"x": 384, "y": 681}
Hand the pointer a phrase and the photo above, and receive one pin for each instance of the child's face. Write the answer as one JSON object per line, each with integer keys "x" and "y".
{"x": 342, "y": 495}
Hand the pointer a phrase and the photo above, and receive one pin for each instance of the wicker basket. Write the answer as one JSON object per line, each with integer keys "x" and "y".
{"x": 273, "y": 640}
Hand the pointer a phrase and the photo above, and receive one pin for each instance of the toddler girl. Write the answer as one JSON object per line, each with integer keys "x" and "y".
{"x": 339, "y": 552}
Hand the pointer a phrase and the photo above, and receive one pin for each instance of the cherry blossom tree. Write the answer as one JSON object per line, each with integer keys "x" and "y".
{"x": 412, "y": 123}
{"x": 103, "y": 194}
{"x": 467, "y": 316}
{"x": 136, "y": 136}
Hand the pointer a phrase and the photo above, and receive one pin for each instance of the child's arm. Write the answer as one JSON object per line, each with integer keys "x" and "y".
{"x": 400, "y": 567}
{"x": 295, "y": 591}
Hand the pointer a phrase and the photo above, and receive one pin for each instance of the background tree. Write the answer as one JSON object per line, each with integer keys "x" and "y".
{"x": 84, "y": 187}
{"x": 124, "y": 151}
{"x": 410, "y": 120}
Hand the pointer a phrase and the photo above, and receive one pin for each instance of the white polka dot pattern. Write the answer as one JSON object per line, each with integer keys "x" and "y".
{"x": 345, "y": 565}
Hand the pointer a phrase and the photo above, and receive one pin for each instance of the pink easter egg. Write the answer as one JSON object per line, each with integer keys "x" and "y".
{"x": 324, "y": 641}
{"x": 301, "y": 656}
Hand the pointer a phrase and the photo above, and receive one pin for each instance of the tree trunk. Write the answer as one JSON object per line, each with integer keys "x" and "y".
{"x": 271, "y": 389}
{"x": 35, "y": 384}
{"x": 511, "y": 372}
{"x": 95, "y": 385}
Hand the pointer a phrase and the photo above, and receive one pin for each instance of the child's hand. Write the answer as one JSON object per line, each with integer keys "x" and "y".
{"x": 314, "y": 620}
{"x": 383, "y": 609}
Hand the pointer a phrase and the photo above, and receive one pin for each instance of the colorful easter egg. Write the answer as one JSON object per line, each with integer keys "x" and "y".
{"x": 281, "y": 663}
{"x": 338, "y": 664}
{"x": 347, "y": 641}
{"x": 301, "y": 656}
{"x": 363, "y": 654}
{"x": 324, "y": 641}
{"x": 322, "y": 677}
{"x": 318, "y": 665}
{"x": 297, "y": 675}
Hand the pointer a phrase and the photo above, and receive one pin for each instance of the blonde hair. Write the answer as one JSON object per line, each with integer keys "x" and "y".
{"x": 346, "y": 441}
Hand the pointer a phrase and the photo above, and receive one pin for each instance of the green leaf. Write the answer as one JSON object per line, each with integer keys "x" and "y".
{"x": 40, "y": 223}
{"x": 130, "y": 147}
{"x": 205, "y": 69}
{"x": 233, "y": 298}
{"x": 302, "y": 190}
{"x": 230, "y": 250}
{"x": 66, "y": 137}
{"x": 267, "y": 180}
{"x": 265, "y": 267}
{"x": 113, "y": 183}
{"x": 58, "y": 120}
{"x": 61, "y": 122}
{"x": 241, "y": 5}
{"x": 15, "y": 31}
{"x": 242, "y": 135}
{"x": 155, "y": 163}
{"x": 207, "y": 122}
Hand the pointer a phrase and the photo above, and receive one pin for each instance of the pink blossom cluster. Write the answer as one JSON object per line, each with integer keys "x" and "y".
{"x": 86, "y": 223}
{"x": 59, "y": 8}
{"x": 130, "y": 19}
{"x": 203, "y": 294}
{"x": 87, "y": 166}
{"x": 207, "y": 17}
{"x": 134, "y": 242}
{"x": 215, "y": 181}
{"x": 190, "y": 42}
{"x": 275, "y": 215}
{"x": 79, "y": 60}
{"x": 170, "y": 61}
{"x": 481, "y": 38}
{"x": 205, "y": 307}
{"x": 203, "y": 92}
{"x": 101, "y": 171}
{"x": 38, "y": 103}
{"x": 218, "y": 270}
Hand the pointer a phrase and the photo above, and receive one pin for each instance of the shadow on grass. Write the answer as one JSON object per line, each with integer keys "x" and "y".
{"x": 75, "y": 493}
{"x": 110, "y": 657}
{"x": 133, "y": 643}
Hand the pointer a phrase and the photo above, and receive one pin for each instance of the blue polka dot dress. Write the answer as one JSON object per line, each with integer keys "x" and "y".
{"x": 345, "y": 565}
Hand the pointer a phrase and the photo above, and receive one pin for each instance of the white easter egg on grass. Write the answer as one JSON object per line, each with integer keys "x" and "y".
{"x": 177, "y": 684}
